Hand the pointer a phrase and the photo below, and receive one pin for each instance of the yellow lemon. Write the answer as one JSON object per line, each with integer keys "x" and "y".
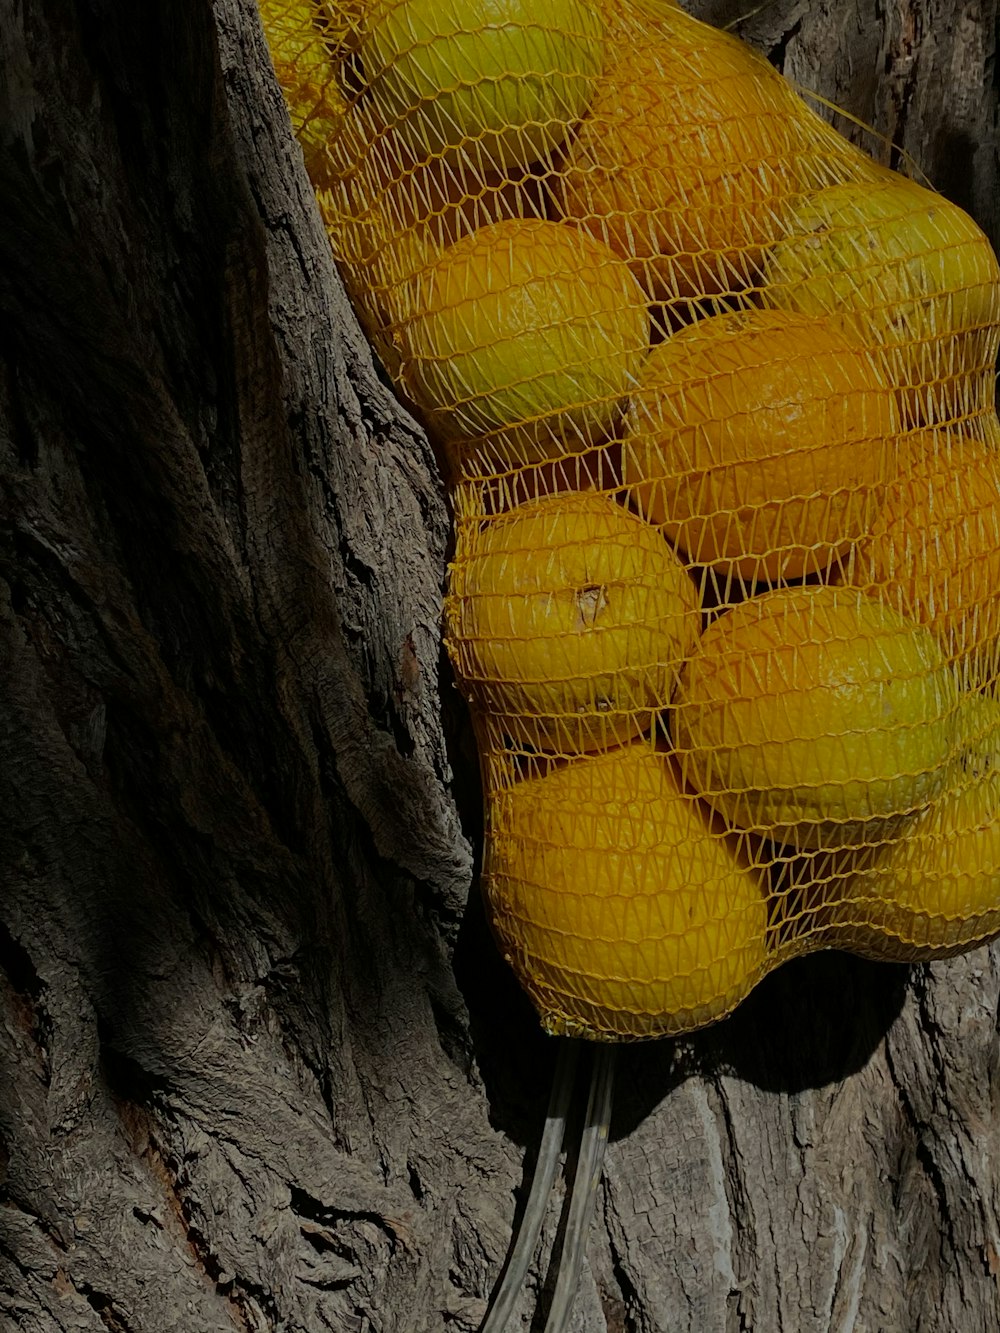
{"x": 936, "y": 889}
{"x": 934, "y": 547}
{"x": 568, "y": 617}
{"x": 623, "y": 912}
{"x": 835, "y": 899}
{"x": 302, "y": 36}
{"x": 508, "y": 78}
{"x": 979, "y": 737}
{"x": 816, "y": 716}
{"x": 756, "y": 441}
{"x": 913, "y": 273}
{"x": 525, "y": 338}
{"x": 390, "y": 215}
{"x": 683, "y": 158}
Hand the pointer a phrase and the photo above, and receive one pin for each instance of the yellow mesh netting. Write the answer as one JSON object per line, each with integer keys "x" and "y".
{"x": 714, "y": 395}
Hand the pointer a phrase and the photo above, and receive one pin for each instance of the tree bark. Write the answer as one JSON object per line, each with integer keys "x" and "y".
{"x": 260, "y": 1066}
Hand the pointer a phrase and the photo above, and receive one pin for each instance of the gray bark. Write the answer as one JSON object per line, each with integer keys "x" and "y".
{"x": 260, "y": 1067}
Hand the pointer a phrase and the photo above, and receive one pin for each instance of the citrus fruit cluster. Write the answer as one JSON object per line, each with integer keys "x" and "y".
{"x": 714, "y": 395}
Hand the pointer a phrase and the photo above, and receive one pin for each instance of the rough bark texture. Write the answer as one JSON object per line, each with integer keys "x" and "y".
{"x": 260, "y": 1068}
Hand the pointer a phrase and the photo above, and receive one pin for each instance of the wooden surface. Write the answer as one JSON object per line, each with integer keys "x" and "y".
{"x": 260, "y": 1068}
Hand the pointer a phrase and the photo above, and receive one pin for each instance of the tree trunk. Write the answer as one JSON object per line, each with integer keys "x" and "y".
{"x": 260, "y": 1066}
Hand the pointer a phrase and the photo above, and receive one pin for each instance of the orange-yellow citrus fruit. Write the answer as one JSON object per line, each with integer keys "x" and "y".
{"x": 508, "y": 77}
{"x": 916, "y": 277}
{"x": 569, "y": 617}
{"x": 654, "y": 8}
{"x": 934, "y": 547}
{"x": 979, "y": 737}
{"x": 302, "y": 36}
{"x": 623, "y": 912}
{"x": 815, "y": 716}
{"x": 528, "y": 334}
{"x": 391, "y": 214}
{"x": 755, "y": 440}
{"x": 683, "y": 158}
{"x": 843, "y": 897}
{"x": 936, "y": 888}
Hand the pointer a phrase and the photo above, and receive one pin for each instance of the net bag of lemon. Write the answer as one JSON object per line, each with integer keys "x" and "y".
{"x": 713, "y": 394}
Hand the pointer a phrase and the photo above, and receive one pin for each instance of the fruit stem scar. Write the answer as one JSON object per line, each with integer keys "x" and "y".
{"x": 590, "y": 601}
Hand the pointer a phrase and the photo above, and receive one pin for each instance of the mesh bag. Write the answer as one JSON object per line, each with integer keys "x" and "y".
{"x": 714, "y": 396}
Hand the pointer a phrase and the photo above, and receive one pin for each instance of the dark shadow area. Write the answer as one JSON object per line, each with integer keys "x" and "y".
{"x": 951, "y": 166}
{"x": 515, "y": 1057}
{"x": 815, "y": 1020}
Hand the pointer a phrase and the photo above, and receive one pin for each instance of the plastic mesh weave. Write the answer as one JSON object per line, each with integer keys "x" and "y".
{"x": 714, "y": 395}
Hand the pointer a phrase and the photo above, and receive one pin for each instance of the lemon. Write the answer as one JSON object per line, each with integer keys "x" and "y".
{"x": 757, "y": 440}
{"x": 936, "y": 889}
{"x": 852, "y": 897}
{"x": 524, "y": 336}
{"x": 684, "y": 158}
{"x": 301, "y": 36}
{"x": 816, "y": 716}
{"x": 934, "y": 547}
{"x": 979, "y": 737}
{"x": 623, "y": 912}
{"x": 916, "y": 277}
{"x": 391, "y": 214}
{"x": 569, "y": 617}
{"x": 509, "y": 77}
